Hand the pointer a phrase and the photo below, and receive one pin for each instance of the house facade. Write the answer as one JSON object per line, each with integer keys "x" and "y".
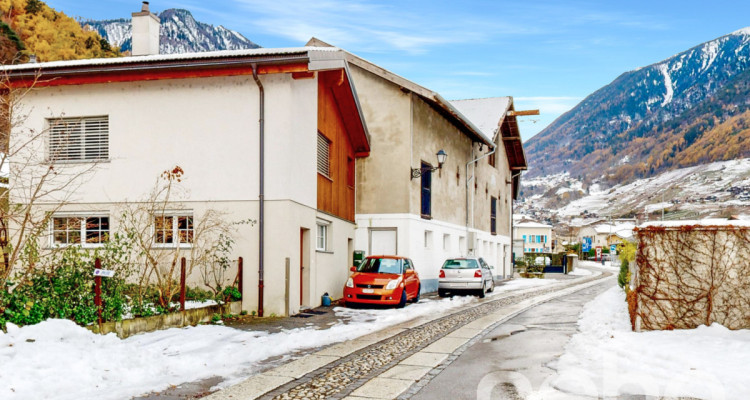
{"x": 408, "y": 206}
{"x": 537, "y": 237}
{"x": 270, "y": 135}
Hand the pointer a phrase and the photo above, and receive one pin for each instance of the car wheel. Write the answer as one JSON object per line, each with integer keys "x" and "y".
{"x": 416, "y": 298}
{"x": 492, "y": 287}
{"x": 402, "y": 303}
{"x": 481, "y": 291}
{"x": 442, "y": 293}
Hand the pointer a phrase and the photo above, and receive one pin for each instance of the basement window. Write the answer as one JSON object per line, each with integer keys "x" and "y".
{"x": 83, "y": 230}
{"x": 173, "y": 230}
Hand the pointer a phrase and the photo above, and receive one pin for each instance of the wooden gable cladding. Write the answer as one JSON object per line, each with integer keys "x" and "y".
{"x": 336, "y": 191}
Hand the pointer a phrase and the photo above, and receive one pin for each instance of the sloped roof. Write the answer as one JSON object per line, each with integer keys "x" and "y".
{"x": 532, "y": 225}
{"x": 491, "y": 116}
{"x": 486, "y": 113}
{"x": 170, "y": 57}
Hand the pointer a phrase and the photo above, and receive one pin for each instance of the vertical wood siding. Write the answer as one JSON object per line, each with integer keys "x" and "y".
{"x": 335, "y": 195}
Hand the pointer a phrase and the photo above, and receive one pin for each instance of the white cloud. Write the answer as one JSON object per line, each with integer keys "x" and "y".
{"x": 357, "y": 24}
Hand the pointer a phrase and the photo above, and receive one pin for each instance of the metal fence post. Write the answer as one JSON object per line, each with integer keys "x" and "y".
{"x": 182, "y": 284}
{"x": 98, "y": 292}
{"x": 239, "y": 277}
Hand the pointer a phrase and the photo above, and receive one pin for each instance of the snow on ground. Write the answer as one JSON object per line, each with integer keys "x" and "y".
{"x": 74, "y": 363}
{"x": 580, "y": 272}
{"x": 521, "y": 283}
{"x": 608, "y": 265}
{"x": 605, "y": 358}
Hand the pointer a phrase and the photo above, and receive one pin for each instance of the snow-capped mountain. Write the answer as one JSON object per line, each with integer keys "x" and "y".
{"x": 180, "y": 33}
{"x": 643, "y": 117}
{"x": 689, "y": 110}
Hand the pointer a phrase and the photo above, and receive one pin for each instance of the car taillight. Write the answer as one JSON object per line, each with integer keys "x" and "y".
{"x": 478, "y": 273}
{"x": 442, "y": 274}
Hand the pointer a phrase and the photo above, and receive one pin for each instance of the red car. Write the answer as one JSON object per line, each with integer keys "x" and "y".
{"x": 388, "y": 280}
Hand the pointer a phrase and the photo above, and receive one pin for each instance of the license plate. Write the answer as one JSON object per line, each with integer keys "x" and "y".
{"x": 368, "y": 290}
{"x": 460, "y": 285}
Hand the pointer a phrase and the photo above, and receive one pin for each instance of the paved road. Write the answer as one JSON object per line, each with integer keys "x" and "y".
{"x": 515, "y": 354}
{"x": 394, "y": 362}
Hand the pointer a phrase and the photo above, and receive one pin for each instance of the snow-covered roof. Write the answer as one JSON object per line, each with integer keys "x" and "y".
{"x": 486, "y": 113}
{"x": 701, "y": 222}
{"x": 170, "y": 57}
{"x": 607, "y": 228}
{"x": 532, "y": 225}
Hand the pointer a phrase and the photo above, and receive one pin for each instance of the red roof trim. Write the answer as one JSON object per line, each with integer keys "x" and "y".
{"x": 51, "y": 79}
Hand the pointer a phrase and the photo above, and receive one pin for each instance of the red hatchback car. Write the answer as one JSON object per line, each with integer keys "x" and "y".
{"x": 388, "y": 280}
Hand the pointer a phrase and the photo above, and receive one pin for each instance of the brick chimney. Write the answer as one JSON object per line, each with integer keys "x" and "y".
{"x": 145, "y": 32}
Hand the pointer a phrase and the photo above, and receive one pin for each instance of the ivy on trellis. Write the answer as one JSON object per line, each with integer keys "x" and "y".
{"x": 691, "y": 275}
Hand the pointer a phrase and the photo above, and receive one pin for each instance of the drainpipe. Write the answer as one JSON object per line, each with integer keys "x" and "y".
{"x": 261, "y": 123}
{"x": 512, "y": 258}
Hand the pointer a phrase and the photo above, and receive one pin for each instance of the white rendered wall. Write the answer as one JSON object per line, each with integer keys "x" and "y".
{"x": 411, "y": 233}
{"x": 209, "y": 127}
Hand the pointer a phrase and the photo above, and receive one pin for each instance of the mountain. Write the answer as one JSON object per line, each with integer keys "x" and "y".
{"x": 180, "y": 33}
{"x": 687, "y": 110}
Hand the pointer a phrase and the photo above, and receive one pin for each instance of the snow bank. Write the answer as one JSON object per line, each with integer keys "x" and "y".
{"x": 607, "y": 359}
{"x": 59, "y": 360}
{"x": 613, "y": 266}
{"x": 580, "y": 272}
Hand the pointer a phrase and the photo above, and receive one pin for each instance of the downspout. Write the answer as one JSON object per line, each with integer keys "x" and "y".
{"x": 261, "y": 122}
{"x": 468, "y": 181}
{"x": 512, "y": 257}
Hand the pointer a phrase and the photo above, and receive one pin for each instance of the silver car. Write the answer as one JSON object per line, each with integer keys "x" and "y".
{"x": 469, "y": 274}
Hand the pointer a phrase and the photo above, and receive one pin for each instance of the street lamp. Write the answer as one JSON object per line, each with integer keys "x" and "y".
{"x": 441, "y": 156}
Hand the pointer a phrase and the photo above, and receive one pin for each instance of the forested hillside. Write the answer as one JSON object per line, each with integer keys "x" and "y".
{"x": 31, "y": 27}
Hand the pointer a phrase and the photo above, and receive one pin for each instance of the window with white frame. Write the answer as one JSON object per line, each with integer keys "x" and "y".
{"x": 173, "y": 230}
{"x": 78, "y": 139}
{"x": 324, "y": 156}
{"x": 84, "y": 230}
{"x": 321, "y": 240}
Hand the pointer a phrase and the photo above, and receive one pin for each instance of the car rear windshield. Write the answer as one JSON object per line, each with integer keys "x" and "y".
{"x": 381, "y": 266}
{"x": 460, "y": 264}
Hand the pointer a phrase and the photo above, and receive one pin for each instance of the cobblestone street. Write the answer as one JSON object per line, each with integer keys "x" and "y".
{"x": 391, "y": 364}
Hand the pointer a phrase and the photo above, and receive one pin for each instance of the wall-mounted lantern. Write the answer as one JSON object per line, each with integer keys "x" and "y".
{"x": 417, "y": 172}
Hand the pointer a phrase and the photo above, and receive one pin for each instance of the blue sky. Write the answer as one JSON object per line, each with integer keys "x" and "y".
{"x": 547, "y": 54}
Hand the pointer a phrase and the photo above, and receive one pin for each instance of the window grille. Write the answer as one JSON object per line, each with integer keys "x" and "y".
{"x": 78, "y": 139}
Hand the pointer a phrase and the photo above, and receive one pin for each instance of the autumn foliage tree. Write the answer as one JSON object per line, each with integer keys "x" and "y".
{"x": 49, "y": 34}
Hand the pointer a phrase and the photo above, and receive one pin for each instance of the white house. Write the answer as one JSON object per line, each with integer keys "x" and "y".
{"x": 264, "y": 134}
{"x": 537, "y": 237}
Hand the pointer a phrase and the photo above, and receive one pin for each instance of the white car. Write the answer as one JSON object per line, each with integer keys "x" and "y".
{"x": 470, "y": 274}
